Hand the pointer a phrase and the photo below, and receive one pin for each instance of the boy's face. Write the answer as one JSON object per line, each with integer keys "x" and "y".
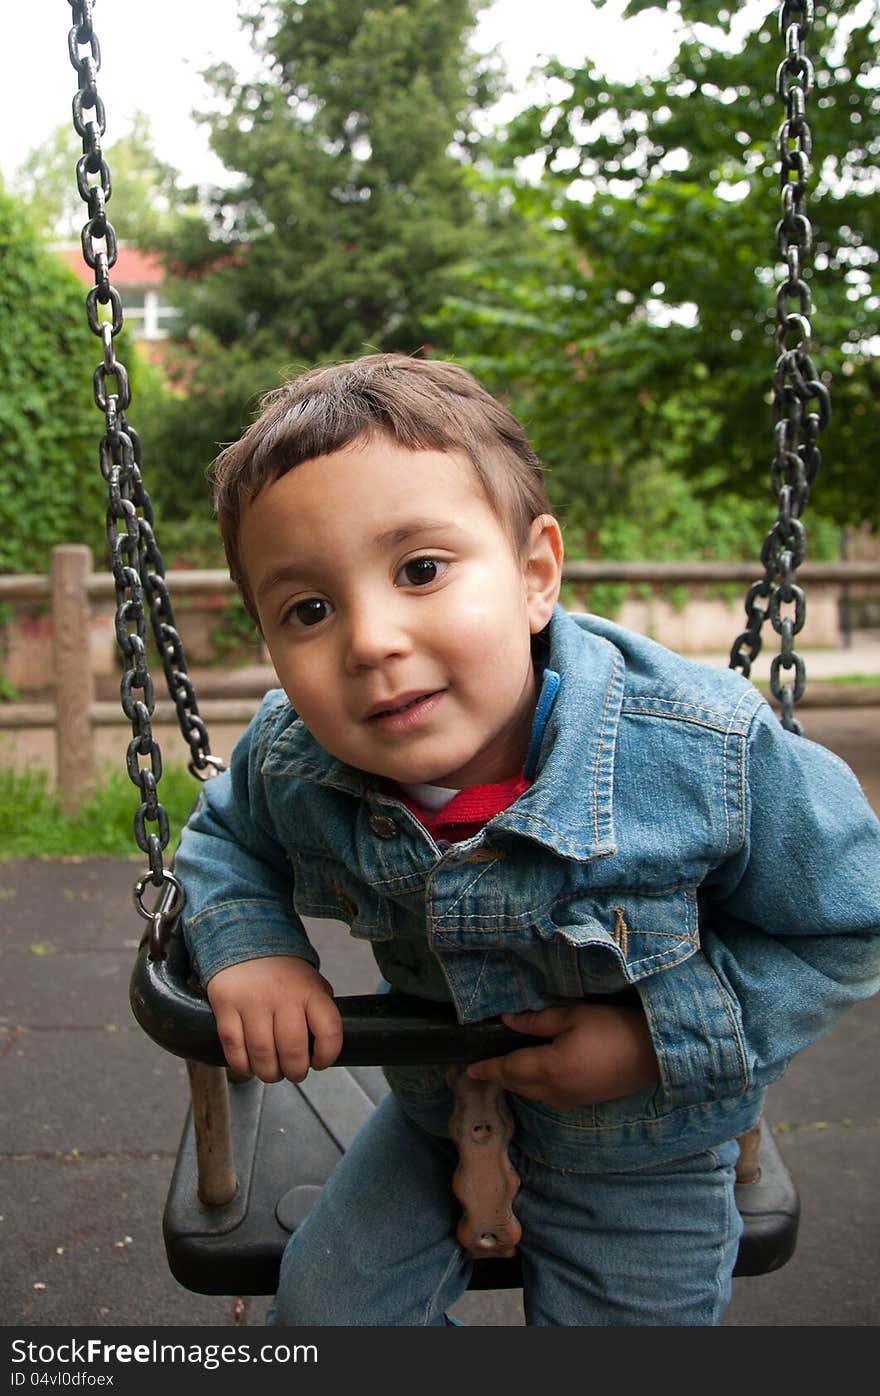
{"x": 398, "y": 613}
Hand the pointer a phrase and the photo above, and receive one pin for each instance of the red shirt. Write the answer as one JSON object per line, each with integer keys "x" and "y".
{"x": 468, "y": 810}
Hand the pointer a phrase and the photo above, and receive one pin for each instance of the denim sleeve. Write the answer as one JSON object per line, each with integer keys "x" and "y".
{"x": 236, "y": 874}
{"x": 790, "y": 921}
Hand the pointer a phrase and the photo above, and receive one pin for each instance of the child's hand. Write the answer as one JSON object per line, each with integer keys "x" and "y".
{"x": 265, "y": 1010}
{"x": 599, "y": 1052}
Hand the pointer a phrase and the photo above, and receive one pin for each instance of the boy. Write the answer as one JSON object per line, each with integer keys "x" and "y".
{"x": 525, "y": 813}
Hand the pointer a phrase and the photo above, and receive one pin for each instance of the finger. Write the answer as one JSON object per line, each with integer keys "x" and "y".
{"x": 543, "y": 1022}
{"x": 325, "y": 1024}
{"x": 524, "y": 1071}
{"x": 513, "y": 1076}
{"x": 292, "y": 1045}
{"x": 230, "y": 1031}
{"x": 261, "y": 1049}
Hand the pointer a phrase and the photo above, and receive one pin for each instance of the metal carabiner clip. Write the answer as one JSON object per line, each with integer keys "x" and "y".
{"x": 166, "y": 911}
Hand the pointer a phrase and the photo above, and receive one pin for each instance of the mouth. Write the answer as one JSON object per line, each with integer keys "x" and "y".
{"x": 404, "y": 710}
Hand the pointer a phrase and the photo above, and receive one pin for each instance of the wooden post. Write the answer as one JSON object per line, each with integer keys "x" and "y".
{"x": 74, "y": 681}
{"x": 213, "y": 1132}
{"x": 748, "y": 1166}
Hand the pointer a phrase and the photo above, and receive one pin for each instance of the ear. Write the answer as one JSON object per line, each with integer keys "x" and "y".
{"x": 542, "y": 569}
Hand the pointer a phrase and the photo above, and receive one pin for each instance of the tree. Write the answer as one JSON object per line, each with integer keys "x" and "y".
{"x": 66, "y": 501}
{"x": 144, "y": 187}
{"x": 46, "y": 184}
{"x": 51, "y": 490}
{"x": 353, "y": 212}
{"x": 51, "y": 487}
{"x": 651, "y": 343}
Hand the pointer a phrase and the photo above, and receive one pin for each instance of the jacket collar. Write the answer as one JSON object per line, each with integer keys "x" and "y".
{"x": 568, "y": 808}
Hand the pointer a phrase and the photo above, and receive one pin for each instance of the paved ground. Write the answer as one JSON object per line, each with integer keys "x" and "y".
{"x": 92, "y": 1113}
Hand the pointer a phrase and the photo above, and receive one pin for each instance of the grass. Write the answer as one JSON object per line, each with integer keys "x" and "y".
{"x": 33, "y": 826}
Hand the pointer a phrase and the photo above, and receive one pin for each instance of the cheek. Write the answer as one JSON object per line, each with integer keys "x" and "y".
{"x": 488, "y": 628}
{"x": 305, "y": 686}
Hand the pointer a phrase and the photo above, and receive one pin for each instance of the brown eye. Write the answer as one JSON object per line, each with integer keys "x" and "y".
{"x": 419, "y": 571}
{"x": 310, "y": 612}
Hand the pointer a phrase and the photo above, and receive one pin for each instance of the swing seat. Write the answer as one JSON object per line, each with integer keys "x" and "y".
{"x": 284, "y": 1132}
{"x": 287, "y": 1138}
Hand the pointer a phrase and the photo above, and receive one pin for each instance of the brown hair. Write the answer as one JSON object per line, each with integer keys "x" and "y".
{"x": 422, "y": 404}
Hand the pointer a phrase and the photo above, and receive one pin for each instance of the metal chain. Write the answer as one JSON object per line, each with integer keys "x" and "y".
{"x": 135, "y": 560}
{"x": 796, "y": 385}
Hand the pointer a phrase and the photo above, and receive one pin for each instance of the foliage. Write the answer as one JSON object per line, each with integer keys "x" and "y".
{"x": 676, "y": 517}
{"x": 50, "y": 484}
{"x": 351, "y": 209}
{"x": 351, "y": 217}
{"x": 144, "y": 188}
{"x": 190, "y": 543}
{"x": 32, "y": 825}
{"x": 214, "y": 393}
{"x": 648, "y": 341}
{"x": 623, "y": 304}
{"x": 51, "y": 490}
{"x": 234, "y": 637}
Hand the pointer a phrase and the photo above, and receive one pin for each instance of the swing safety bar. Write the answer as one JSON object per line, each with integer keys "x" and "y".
{"x": 378, "y": 1029}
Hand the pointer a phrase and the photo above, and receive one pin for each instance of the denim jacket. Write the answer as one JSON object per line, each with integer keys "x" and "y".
{"x": 676, "y": 843}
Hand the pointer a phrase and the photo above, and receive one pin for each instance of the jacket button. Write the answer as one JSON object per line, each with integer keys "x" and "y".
{"x": 383, "y": 825}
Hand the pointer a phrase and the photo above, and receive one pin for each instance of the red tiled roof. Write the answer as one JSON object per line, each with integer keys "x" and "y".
{"x": 132, "y": 267}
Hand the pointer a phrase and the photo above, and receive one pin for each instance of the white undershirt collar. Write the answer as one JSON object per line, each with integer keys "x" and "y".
{"x": 429, "y": 797}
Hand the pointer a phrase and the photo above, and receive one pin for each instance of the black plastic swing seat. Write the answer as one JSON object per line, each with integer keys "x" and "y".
{"x": 288, "y": 1138}
{"x": 286, "y": 1132}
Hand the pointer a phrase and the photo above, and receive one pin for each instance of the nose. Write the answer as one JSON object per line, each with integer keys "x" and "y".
{"x": 374, "y": 634}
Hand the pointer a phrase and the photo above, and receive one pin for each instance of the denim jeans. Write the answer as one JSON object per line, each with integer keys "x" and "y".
{"x": 649, "y": 1247}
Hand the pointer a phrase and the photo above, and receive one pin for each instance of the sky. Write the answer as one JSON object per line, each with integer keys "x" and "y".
{"x": 152, "y": 54}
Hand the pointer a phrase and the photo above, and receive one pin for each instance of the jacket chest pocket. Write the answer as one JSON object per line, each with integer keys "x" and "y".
{"x": 625, "y": 933}
{"x": 329, "y": 890}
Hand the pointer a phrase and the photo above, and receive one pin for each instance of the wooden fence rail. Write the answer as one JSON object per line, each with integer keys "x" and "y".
{"x": 72, "y": 586}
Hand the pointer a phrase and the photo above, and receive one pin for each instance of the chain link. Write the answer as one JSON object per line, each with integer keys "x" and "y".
{"x": 135, "y": 560}
{"x": 801, "y": 402}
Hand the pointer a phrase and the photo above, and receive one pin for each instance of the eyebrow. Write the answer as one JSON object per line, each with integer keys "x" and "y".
{"x": 390, "y": 538}
{"x": 395, "y": 536}
{"x": 281, "y": 574}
